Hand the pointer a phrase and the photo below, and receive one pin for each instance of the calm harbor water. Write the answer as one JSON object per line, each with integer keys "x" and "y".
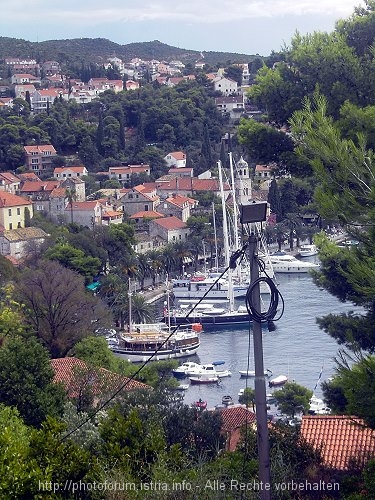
{"x": 297, "y": 349}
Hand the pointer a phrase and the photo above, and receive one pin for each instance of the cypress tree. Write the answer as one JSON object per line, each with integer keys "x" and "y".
{"x": 274, "y": 200}
{"x": 223, "y": 155}
{"x": 140, "y": 141}
{"x": 100, "y": 133}
{"x": 206, "y": 146}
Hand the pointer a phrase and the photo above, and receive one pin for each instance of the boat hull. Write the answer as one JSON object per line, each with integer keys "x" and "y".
{"x": 278, "y": 381}
{"x": 143, "y": 355}
{"x": 204, "y": 380}
{"x": 251, "y": 373}
{"x": 207, "y": 320}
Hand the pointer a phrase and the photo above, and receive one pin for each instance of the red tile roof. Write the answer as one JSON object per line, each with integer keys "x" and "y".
{"x": 148, "y": 214}
{"x": 179, "y": 200}
{"x": 58, "y": 193}
{"x": 30, "y": 176}
{"x": 78, "y": 168}
{"x": 170, "y": 223}
{"x": 70, "y": 372}
{"x": 177, "y": 155}
{"x": 263, "y": 168}
{"x": 12, "y": 200}
{"x": 36, "y": 186}
{"x": 8, "y": 177}
{"x": 234, "y": 418}
{"x": 341, "y": 438}
{"x": 83, "y": 205}
{"x": 191, "y": 184}
{"x": 39, "y": 149}
{"x": 111, "y": 213}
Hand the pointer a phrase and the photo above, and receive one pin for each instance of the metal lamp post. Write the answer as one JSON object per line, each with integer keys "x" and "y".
{"x": 253, "y": 213}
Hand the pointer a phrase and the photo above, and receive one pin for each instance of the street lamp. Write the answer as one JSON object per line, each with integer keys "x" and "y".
{"x": 253, "y": 213}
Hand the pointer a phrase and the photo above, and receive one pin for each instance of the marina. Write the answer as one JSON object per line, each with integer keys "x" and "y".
{"x": 297, "y": 349}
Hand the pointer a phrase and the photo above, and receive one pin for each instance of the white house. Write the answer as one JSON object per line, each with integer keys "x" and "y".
{"x": 225, "y": 85}
{"x": 73, "y": 172}
{"x": 176, "y": 159}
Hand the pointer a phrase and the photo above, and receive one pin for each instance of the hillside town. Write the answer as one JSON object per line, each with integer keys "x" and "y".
{"x": 126, "y": 253}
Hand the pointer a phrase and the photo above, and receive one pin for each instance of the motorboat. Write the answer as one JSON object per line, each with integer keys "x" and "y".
{"x": 190, "y": 369}
{"x": 283, "y": 262}
{"x": 207, "y": 374}
{"x": 278, "y": 381}
{"x": 204, "y": 379}
{"x": 187, "y": 368}
{"x": 307, "y": 251}
{"x": 144, "y": 339}
{"x": 251, "y": 373}
{"x": 318, "y": 406}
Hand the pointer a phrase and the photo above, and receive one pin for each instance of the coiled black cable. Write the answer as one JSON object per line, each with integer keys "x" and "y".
{"x": 275, "y": 296}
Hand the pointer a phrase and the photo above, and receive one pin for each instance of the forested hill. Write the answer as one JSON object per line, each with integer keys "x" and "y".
{"x": 97, "y": 50}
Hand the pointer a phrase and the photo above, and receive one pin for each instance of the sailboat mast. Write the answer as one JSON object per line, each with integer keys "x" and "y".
{"x": 168, "y": 304}
{"x": 235, "y": 207}
{"x": 215, "y": 236}
{"x": 130, "y": 306}
{"x": 226, "y": 241}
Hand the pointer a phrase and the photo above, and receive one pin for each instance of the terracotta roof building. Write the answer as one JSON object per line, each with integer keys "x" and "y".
{"x": 234, "y": 419}
{"x": 342, "y": 439}
{"x": 12, "y": 210}
{"x": 187, "y": 186}
{"x": 39, "y": 158}
{"x": 169, "y": 229}
{"x": 176, "y": 159}
{"x": 78, "y": 378}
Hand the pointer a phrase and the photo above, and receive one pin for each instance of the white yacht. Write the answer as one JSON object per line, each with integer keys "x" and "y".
{"x": 308, "y": 251}
{"x": 286, "y": 263}
{"x": 199, "y": 286}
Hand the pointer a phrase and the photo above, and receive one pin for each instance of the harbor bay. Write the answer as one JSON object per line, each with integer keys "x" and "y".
{"x": 298, "y": 348}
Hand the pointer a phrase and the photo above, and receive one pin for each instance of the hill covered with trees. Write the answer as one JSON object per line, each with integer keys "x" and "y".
{"x": 97, "y": 50}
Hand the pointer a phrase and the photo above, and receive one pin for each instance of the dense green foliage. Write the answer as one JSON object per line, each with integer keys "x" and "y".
{"x": 26, "y": 379}
{"x": 71, "y": 52}
{"x": 130, "y": 127}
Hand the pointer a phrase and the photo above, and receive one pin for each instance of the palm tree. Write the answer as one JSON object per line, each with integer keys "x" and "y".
{"x": 292, "y": 221}
{"x": 156, "y": 264}
{"x": 143, "y": 268}
{"x": 181, "y": 253}
{"x": 141, "y": 311}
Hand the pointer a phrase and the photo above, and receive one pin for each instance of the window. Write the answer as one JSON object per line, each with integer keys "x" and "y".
{"x": 19, "y": 224}
{"x": 146, "y": 208}
{"x": 9, "y": 212}
{"x": 18, "y": 211}
{"x": 10, "y": 226}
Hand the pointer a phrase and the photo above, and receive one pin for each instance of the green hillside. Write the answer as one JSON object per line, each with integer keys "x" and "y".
{"x": 97, "y": 50}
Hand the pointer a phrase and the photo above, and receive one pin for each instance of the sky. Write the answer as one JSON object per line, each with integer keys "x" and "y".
{"x": 240, "y": 26}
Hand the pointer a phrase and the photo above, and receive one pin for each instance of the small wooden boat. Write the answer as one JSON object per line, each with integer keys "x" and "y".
{"x": 278, "y": 381}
